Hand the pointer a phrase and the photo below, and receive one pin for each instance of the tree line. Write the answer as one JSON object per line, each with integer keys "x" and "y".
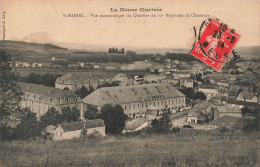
{"x": 116, "y": 51}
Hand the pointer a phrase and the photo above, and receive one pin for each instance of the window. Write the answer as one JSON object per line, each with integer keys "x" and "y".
{"x": 154, "y": 104}
{"x": 158, "y": 103}
{"x": 146, "y": 105}
{"x": 142, "y": 105}
{"x": 125, "y": 107}
{"x": 134, "y": 106}
{"x": 129, "y": 107}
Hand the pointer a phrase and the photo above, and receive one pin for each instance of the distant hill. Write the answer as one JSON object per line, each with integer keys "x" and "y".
{"x": 35, "y": 52}
{"x": 250, "y": 52}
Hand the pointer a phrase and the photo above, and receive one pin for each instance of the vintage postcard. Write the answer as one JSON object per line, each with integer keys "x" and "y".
{"x": 122, "y": 83}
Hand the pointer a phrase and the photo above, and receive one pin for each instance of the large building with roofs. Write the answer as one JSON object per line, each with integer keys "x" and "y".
{"x": 74, "y": 81}
{"x": 137, "y": 99}
{"x": 40, "y": 98}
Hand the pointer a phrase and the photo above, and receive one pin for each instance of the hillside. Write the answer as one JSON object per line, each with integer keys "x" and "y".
{"x": 34, "y": 52}
{"x": 180, "y": 150}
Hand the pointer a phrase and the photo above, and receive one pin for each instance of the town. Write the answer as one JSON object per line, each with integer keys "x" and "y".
{"x": 65, "y": 98}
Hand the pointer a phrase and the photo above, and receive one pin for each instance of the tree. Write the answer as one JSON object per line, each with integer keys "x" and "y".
{"x": 70, "y": 115}
{"x": 114, "y": 118}
{"x": 189, "y": 92}
{"x": 51, "y": 117}
{"x": 162, "y": 125}
{"x": 28, "y": 128}
{"x": 82, "y": 92}
{"x": 91, "y": 113}
{"x": 199, "y": 77}
{"x": 200, "y": 95}
{"x": 10, "y": 92}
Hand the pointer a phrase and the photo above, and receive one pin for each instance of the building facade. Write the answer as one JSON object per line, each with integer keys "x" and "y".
{"x": 40, "y": 98}
{"x": 209, "y": 91}
{"x": 137, "y": 99}
{"x": 74, "y": 81}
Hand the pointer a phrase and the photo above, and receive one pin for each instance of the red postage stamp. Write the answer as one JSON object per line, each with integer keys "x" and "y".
{"x": 215, "y": 42}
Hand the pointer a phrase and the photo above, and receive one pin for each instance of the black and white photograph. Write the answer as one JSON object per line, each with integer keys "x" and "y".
{"x": 131, "y": 83}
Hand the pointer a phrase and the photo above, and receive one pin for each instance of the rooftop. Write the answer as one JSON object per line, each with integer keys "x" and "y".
{"x": 73, "y": 126}
{"x": 135, "y": 123}
{"x": 225, "y": 121}
{"x": 44, "y": 90}
{"x": 83, "y": 77}
{"x": 132, "y": 93}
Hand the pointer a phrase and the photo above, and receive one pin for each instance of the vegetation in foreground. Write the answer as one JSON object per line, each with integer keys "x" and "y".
{"x": 227, "y": 149}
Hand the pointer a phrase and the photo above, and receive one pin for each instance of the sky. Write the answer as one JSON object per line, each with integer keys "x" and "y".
{"x": 42, "y": 21}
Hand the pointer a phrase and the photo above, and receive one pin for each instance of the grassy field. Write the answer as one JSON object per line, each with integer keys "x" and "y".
{"x": 144, "y": 150}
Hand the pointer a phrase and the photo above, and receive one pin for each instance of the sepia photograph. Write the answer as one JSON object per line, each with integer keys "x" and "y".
{"x": 129, "y": 83}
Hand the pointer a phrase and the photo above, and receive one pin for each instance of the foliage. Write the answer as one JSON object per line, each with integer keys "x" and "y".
{"x": 106, "y": 84}
{"x": 199, "y": 77}
{"x": 10, "y": 92}
{"x": 114, "y": 118}
{"x": 179, "y": 56}
{"x": 28, "y": 128}
{"x": 47, "y": 79}
{"x": 91, "y": 113}
{"x": 70, "y": 115}
{"x": 245, "y": 110}
{"x": 163, "y": 125}
{"x": 116, "y": 51}
{"x": 200, "y": 95}
{"x": 189, "y": 93}
{"x": 82, "y": 92}
{"x": 51, "y": 117}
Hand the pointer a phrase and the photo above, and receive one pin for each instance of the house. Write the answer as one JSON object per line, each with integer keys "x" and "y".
{"x": 193, "y": 117}
{"x": 122, "y": 79}
{"x": 142, "y": 65}
{"x": 179, "y": 118}
{"x": 178, "y": 75}
{"x": 188, "y": 83}
{"x": 96, "y": 66}
{"x": 153, "y": 77}
{"x": 220, "y": 111}
{"x": 74, "y": 81}
{"x": 37, "y": 65}
{"x": 127, "y": 67}
{"x": 41, "y": 98}
{"x": 208, "y": 90}
{"x": 226, "y": 121}
{"x": 136, "y": 99}
{"x": 136, "y": 125}
{"x": 153, "y": 113}
{"x": 72, "y": 130}
{"x": 247, "y": 96}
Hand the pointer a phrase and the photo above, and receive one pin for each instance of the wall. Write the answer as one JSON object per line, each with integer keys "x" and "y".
{"x": 141, "y": 107}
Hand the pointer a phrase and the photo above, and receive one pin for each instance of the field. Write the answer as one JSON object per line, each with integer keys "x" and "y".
{"x": 141, "y": 151}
